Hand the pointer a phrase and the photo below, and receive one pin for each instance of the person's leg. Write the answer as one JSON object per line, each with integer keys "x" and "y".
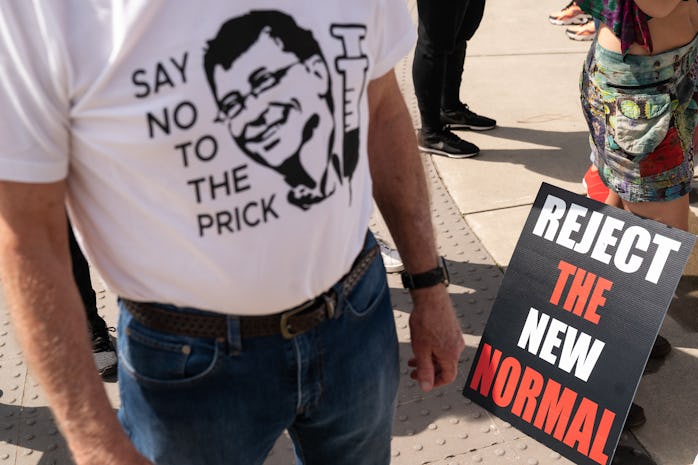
{"x": 103, "y": 350}
{"x": 597, "y": 190}
{"x": 642, "y": 186}
{"x": 81, "y": 275}
{"x": 613, "y": 199}
{"x": 455, "y": 61}
{"x": 188, "y": 400}
{"x": 672, "y": 213}
{"x": 439, "y": 21}
{"x": 345, "y": 417}
{"x": 454, "y": 113}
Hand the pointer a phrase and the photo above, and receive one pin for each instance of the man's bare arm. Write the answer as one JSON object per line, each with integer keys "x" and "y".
{"x": 50, "y": 321}
{"x": 400, "y": 190}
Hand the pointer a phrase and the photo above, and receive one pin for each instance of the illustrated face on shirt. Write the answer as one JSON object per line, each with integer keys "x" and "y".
{"x": 272, "y": 90}
{"x": 272, "y": 106}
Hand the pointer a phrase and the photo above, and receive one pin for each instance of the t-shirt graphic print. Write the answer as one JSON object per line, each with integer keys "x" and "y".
{"x": 272, "y": 89}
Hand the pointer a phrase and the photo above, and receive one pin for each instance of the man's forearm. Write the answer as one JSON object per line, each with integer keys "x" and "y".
{"x": 399, "y": 184}
{"x": 50, "y": 321}
{"x": 400, "y": 189}
{"x": 51, "y": 327}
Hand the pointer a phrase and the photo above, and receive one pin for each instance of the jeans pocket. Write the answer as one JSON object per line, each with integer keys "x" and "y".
{"x": 158, "y": 358}
{"x": 370, "y": 292}
{"x": 638, "y": 123}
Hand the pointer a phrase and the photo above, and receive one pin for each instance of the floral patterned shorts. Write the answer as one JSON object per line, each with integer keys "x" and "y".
{"x": 642, "y": 112}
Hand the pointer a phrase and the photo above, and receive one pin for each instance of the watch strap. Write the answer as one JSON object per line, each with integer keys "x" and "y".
{"x": 426, "y": 279}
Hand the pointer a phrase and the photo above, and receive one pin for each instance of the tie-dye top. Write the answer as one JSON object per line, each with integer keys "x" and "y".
{"x": 627, "y": 21}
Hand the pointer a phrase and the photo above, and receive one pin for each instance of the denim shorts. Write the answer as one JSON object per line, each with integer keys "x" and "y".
{"x": 197, "y": 401}
{"x": 642, "y": 112}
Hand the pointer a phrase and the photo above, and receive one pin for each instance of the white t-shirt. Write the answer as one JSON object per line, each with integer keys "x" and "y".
{"x": 215, "y": 151}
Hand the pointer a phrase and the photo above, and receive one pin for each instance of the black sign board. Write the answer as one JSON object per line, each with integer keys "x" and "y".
{"x": 574, "y": 321}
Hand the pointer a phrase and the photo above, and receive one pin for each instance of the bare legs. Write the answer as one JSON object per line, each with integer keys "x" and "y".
{"x": 672, "y": 213}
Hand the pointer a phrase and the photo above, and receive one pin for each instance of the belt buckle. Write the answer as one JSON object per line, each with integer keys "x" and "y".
{"x": 286, "y": 331}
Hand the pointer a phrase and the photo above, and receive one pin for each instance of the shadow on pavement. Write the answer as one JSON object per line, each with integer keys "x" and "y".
{"x": 33, "y": 430}
{"x": 562, "y": 155}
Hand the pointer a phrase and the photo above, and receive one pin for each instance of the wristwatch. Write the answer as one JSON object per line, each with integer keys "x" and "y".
{"x": 428, "y": 278}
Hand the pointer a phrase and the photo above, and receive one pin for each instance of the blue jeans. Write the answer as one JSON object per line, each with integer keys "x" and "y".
{"x": 197, "y": 401}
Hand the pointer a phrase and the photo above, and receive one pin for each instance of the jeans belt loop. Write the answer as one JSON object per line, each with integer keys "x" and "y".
{"x": 234, "y": 336}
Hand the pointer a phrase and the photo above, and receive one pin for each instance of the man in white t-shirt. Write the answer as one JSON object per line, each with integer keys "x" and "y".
{"x": 252, "y": 300}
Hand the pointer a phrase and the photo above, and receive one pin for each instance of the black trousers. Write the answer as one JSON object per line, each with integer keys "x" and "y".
{"x": 81, "y": 275}
{"x": 445, "y": 27}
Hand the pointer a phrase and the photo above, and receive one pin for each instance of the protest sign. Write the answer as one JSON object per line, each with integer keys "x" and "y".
{"x": 571, "y": 329}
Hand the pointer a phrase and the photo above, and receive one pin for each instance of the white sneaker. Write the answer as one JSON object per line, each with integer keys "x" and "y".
{"x": 391, "y": 258}
{"x": 695, "y": 462}
{"x": 571, "y": 14}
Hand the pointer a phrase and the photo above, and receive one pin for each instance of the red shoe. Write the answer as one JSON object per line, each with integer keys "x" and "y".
{"x": 595, "y": 187}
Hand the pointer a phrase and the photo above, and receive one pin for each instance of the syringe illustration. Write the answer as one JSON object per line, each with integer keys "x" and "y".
{"x": 353, "y": 66}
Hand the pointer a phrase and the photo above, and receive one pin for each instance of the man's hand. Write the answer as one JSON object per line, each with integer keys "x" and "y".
{"x": 437, "y": 340}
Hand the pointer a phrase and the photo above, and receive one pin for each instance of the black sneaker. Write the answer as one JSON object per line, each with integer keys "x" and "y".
{"x": 102, "y": 349}
{"x": 636, "y": 416}
{"x": 661, "y": 348}
{"x": 463, "y": 118}
{"x": 444, "y": 142}
{"x": 628, "y": 455}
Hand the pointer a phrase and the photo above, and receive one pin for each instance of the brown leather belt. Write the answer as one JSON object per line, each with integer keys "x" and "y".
{"x": 289, "y": 323}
